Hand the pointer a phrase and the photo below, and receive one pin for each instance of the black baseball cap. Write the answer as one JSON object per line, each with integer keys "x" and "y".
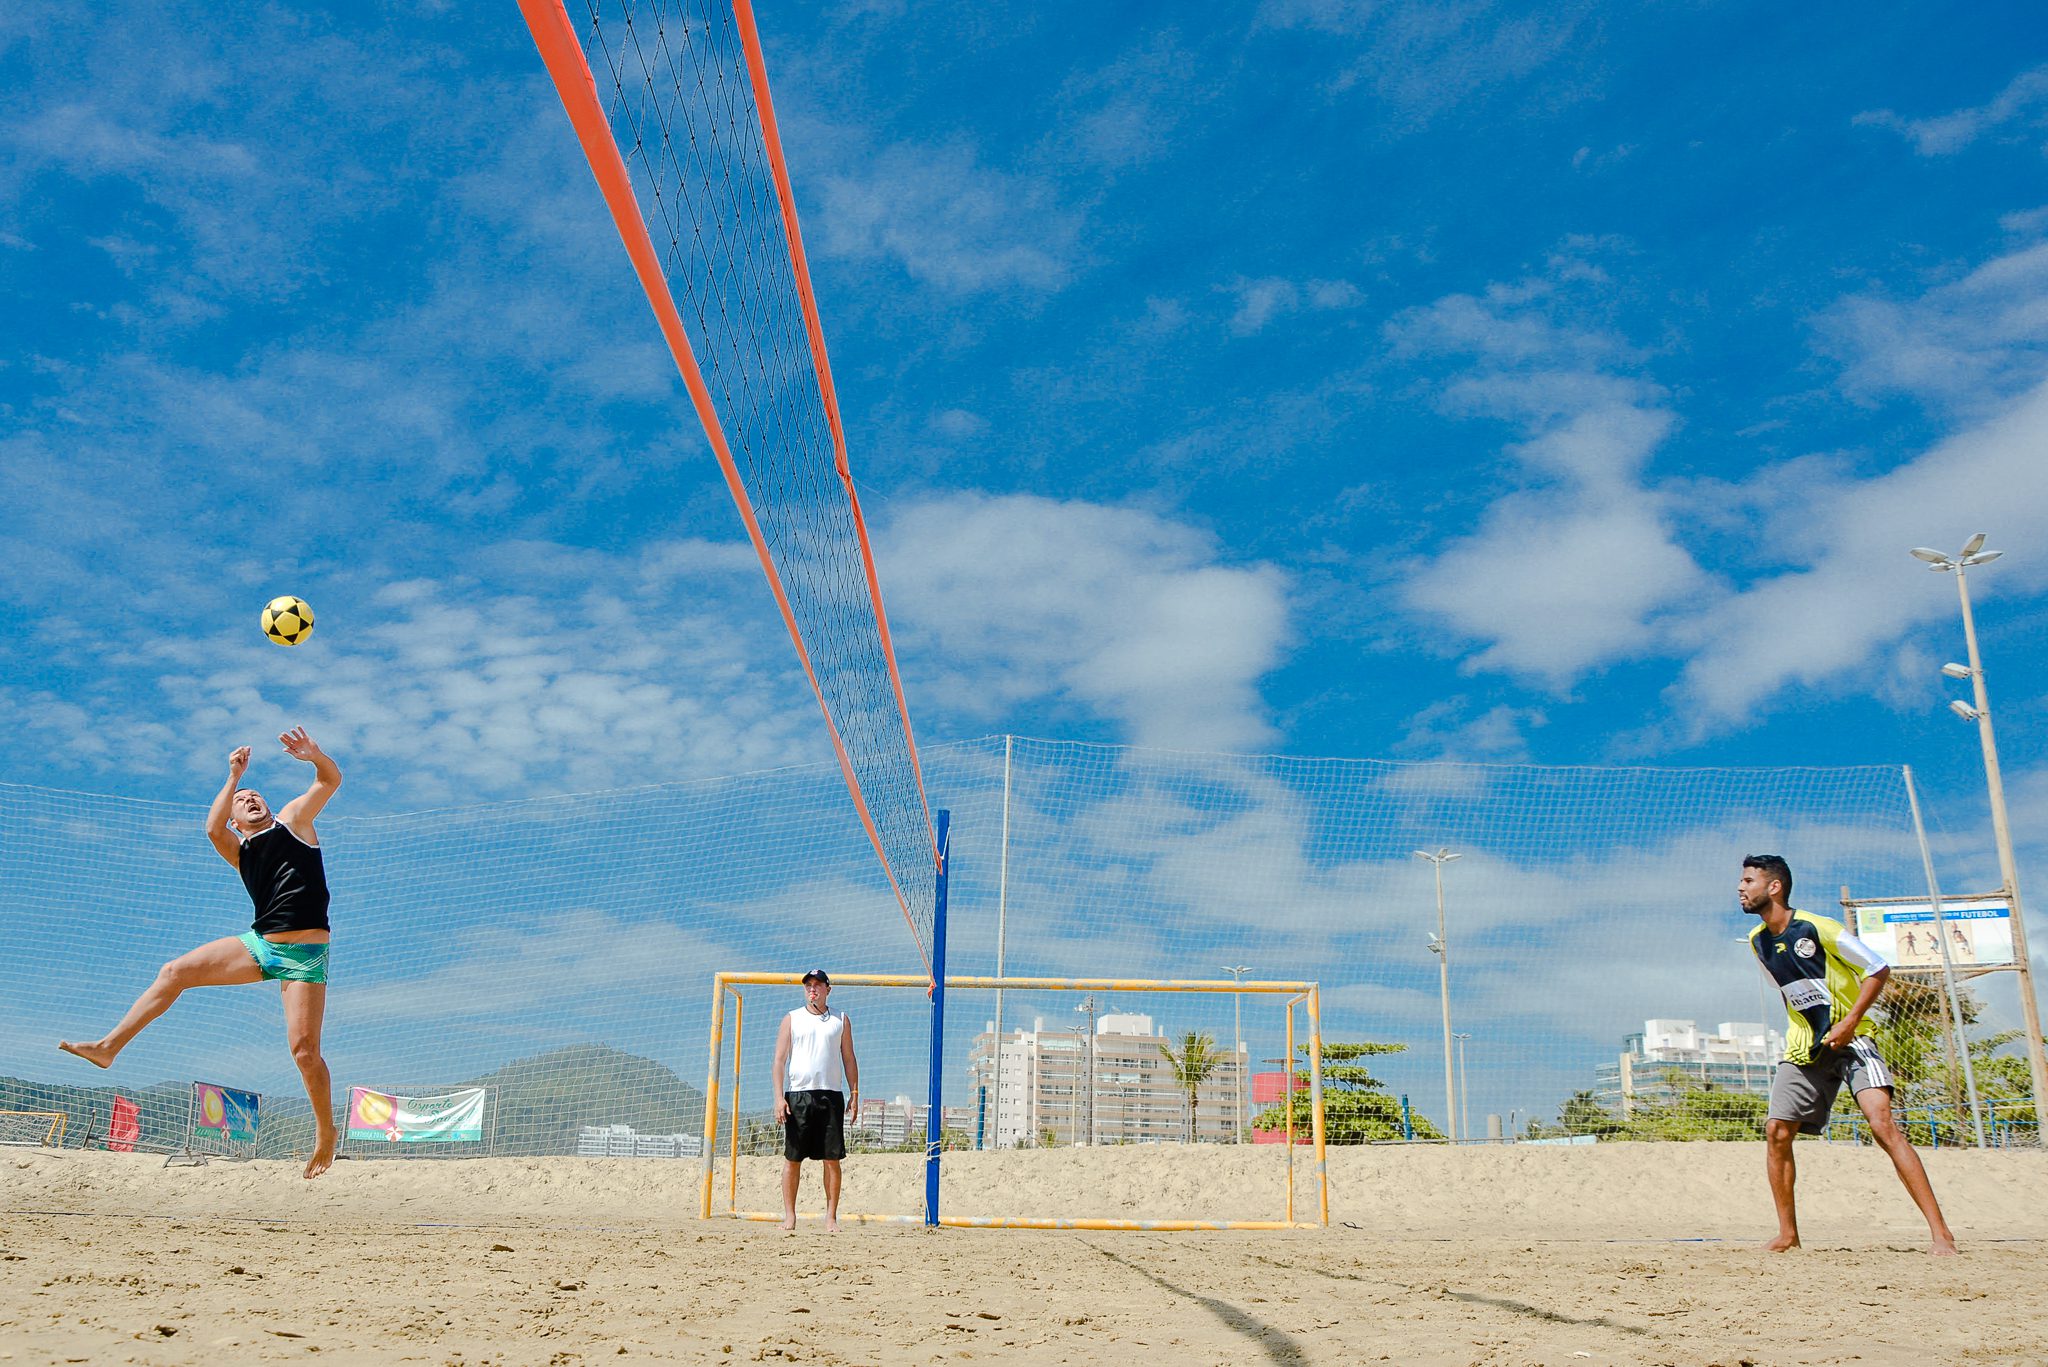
{"x": 820, "y": 974}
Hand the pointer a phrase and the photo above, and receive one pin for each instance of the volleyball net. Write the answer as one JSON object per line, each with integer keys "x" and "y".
{"x": 671, "y": 107}
{"x": 1598, "y": 986}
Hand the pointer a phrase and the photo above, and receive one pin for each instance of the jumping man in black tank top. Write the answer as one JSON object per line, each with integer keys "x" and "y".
{"x": 280, "y": 863}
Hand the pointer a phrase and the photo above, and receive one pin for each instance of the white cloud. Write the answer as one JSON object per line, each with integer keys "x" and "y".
{"x": 1965, "y": 345}
{"x": 1574, "y": 570}
{"x": 2024, "y": 101}
{"x": 1115, "y": 611}
{"x": 949, "y": 221}
{"x": 1855, "y": 590}
{"x": 1424, "y": 57}
{"x": 1267, "y": 298}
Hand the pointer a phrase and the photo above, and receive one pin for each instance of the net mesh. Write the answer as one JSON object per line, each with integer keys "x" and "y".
{"x": 559, "y": 950}
{"x": 689, "y": 126}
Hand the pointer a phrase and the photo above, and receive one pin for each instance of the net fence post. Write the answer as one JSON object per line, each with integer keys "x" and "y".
{"x": 935, "y": 1086}
{"x": 711, "y": 1094}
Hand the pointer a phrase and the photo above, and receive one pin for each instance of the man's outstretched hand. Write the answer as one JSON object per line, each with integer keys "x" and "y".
{"x": 296, "y": 743}
{"x": 238, "y": 763}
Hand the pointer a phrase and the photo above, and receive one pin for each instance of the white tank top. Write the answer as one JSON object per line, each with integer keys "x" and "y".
{"x": 814, "y": 1061}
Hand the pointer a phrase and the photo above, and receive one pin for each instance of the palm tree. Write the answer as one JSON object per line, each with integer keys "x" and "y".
{"x": 1191, "y": 1066}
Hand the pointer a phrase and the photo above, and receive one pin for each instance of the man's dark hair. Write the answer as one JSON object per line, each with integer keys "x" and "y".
{"x": 1772, "y": 866}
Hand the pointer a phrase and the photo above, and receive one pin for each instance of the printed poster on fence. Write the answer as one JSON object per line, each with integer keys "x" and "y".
{"x": 453, "y": 1118}
{"x": 1976, "y": 931}
{"x": 230, "y": 1111}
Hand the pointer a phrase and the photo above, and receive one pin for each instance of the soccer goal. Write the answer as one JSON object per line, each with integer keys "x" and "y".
{"x": 1060, "y": 1103}
{"x": 42, "y": 1128}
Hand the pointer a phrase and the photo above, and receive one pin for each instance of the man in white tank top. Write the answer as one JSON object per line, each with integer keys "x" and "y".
{"x": 817, "y": 1079}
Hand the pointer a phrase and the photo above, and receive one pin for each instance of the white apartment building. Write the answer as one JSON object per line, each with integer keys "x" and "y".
{"x": 1737, "y": 1056}
{"x": 1064, "y": 1086}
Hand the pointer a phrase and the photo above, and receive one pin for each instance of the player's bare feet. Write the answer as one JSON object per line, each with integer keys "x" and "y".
{"x": 1782, "y": 1244}
{"x": 323, "y": 1155}
{"x": 788, "y": 1225}
{"x": 832, "y": 1226}
{"x": 98, "y": 1055}
{"x": 1942, "y": 1248}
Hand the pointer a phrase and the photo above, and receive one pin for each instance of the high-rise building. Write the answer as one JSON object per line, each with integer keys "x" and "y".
{"x": 1063, "y": 1087}
{"x": 1739, "y": 1056}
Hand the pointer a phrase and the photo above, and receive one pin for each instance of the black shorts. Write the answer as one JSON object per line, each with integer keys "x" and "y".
{"x": 816, "y": 1127}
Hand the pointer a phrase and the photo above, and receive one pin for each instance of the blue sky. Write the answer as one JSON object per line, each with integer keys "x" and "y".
{"x": 1550, "y": 383}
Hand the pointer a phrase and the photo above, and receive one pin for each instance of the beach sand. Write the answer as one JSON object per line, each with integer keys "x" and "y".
{"x": 1626, "y": 1253}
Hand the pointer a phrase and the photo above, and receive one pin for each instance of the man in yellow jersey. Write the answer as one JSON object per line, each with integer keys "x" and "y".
{"x": 1829, "y": 978}
{"x": 817, "y": 1079}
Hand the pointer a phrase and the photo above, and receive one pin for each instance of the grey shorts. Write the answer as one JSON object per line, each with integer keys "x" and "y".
{"x": 1806, "y": 1092}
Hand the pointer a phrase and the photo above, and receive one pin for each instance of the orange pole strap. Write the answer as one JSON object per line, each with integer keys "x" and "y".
{"x": 555, "y": 37}
{"x": 771, "y": 137}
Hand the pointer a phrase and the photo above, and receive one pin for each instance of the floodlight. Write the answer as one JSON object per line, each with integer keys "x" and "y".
{"x": 1983, "y": 559}
{"x": 1974, "y": 544}
{"x": 1934, "y": 558}
{"x": 1964, "y": 710}
{"x": 1955, "y": 671}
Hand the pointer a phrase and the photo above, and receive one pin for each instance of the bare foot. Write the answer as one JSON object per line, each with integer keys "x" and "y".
{"x": 1782, "y": 1243}
{"x": 98, "y": 1055}
{"x": 1943, "y": 1248}
{"x": 832, "y": 1226}
{"x": 789, "y": 1224}
{"x": 323, "y": 1155}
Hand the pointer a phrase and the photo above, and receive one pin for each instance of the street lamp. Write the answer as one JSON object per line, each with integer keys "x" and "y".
{"x": 1973, "y": 553}
{"x": 1464, "y": 1089}
{"x": 1088, "y": 1007}
{"x": 1237, "y": 972}
{"x": 1439, "y": 945}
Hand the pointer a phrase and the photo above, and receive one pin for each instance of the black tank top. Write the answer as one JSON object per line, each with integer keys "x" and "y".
{"x": 286, "y": 881}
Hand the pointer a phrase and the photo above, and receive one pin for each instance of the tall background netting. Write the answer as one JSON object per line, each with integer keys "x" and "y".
{"x": 670, "y": 104}
{"x": 561, "y": 950}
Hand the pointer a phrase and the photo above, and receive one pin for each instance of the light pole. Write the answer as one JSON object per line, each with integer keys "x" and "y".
{"x": 1237, "y": 973}
{"x": 1464, "y": 1090}
{"x": 1973, "y": 553}
{"x": 1088, "y": 1008}
{"x": 1439, "y": 945}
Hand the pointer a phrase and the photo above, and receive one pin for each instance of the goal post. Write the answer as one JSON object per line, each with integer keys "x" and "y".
{"x": 1110, "y": 1088}
{"x": 44, "y": 1129}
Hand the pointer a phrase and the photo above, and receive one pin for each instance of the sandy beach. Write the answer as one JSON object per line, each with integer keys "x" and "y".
{"x": 1631, "y": 1253}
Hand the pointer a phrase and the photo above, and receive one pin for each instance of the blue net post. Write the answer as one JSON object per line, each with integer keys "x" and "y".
{"x": 1407, "y": 1119}
{"x": 935, "y": 1111}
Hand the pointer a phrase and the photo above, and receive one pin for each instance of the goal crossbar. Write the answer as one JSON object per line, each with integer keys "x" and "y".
{"x": 1304, "y": 993}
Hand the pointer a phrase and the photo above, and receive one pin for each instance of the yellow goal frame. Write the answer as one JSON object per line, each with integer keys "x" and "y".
{"x": 1305, "y": 994}
{"x": 53, "y": 1138}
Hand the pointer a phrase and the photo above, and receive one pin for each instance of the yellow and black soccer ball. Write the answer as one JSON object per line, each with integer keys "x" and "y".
{"x": 287, "y": 620}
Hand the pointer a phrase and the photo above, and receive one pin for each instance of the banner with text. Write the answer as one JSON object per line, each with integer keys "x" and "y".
{"x": 1976, "y": 931}
{"x": 452, "y": 1118}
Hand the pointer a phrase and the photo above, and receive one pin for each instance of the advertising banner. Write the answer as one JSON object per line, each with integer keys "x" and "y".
{"x": 456, "y": 1117}
{"x": 230, "y": 1112}
{"x": 1977, "y": 930}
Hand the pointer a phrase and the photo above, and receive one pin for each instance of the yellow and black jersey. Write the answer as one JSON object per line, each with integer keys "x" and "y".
{"x": 1820, "y": 967}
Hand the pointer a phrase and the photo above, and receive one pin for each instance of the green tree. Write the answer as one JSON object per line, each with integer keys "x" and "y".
{"x": 1583, "y": 1114}
{"x": 1698, "y": 1111}
{"x": 1191, "y": 1066}
{"x": 1356, "y": 1107}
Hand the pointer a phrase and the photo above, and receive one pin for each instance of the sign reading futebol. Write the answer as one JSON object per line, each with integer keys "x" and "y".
{"x": 1976, "y": 930}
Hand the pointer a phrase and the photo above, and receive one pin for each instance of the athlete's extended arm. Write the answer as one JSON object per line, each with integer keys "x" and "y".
{"x": 1842, "y": 1031}
{"x": 217, "y": 815}
{"x": 852, "y": 1066}
{"x": 300, "y": 811}
{"x": 777, "y": 1080}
